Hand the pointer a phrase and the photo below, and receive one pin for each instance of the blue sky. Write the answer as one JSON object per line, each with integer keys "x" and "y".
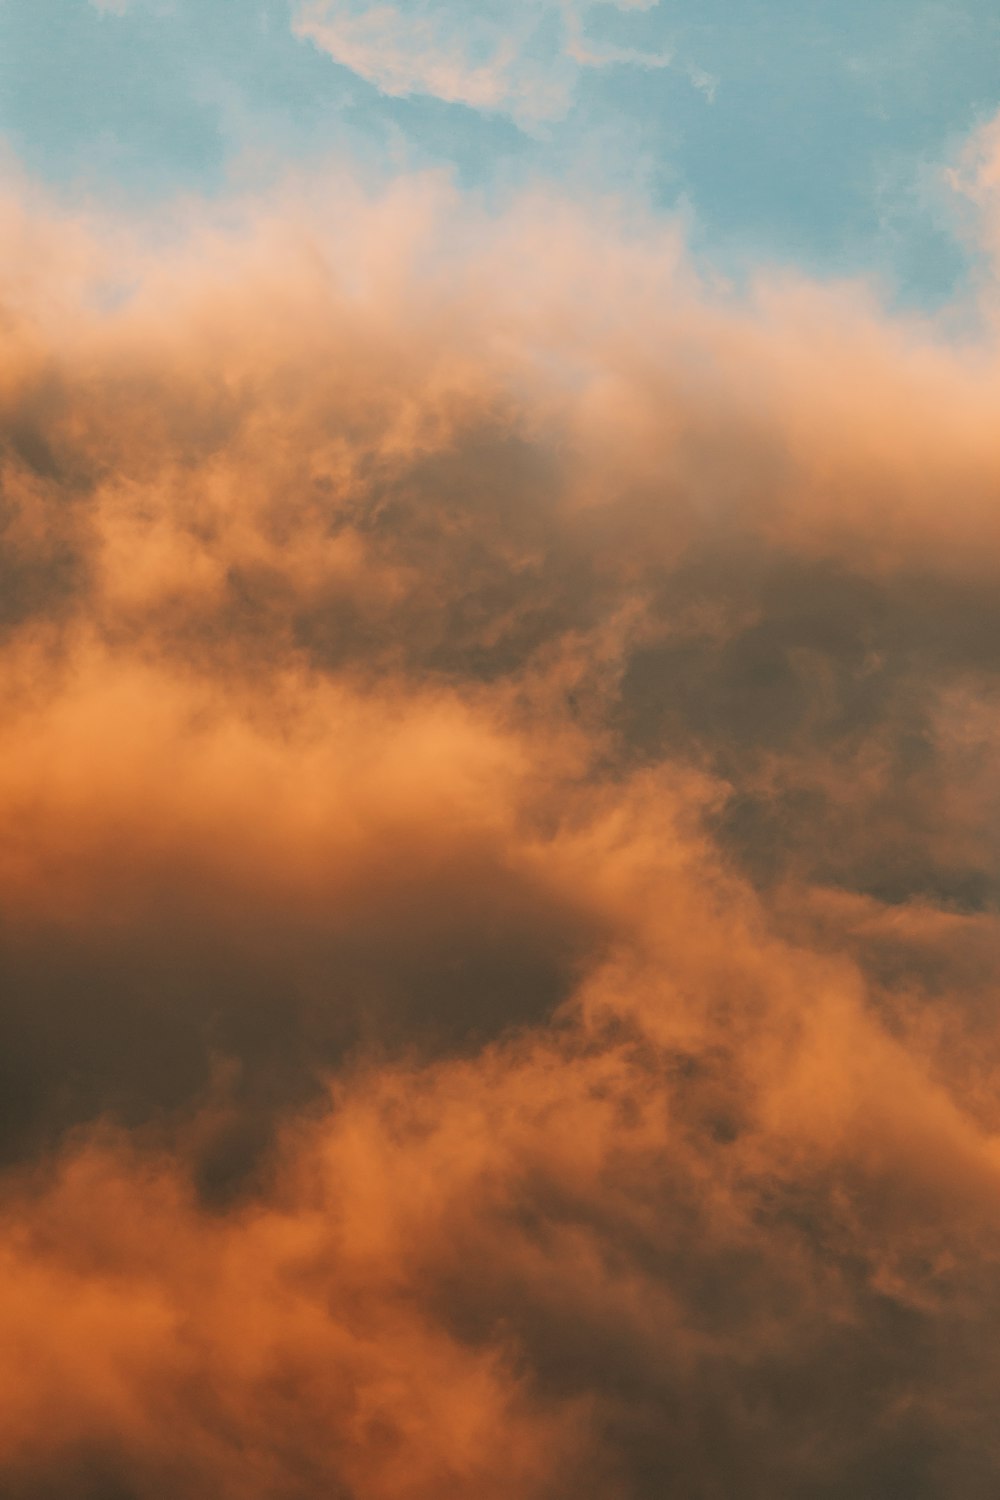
{"x": 811, "y": 131}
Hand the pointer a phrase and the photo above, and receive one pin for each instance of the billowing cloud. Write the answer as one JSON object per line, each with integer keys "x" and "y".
{"x": 498, "y": 882}
{"x": 518, "y": 59}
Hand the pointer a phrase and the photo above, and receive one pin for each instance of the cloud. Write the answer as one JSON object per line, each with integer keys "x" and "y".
{"x": 521, "y": 60}
{"x": 498, "y": 883}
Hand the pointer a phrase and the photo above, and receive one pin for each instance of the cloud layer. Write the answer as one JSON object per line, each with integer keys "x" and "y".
{"x": 498, "y": 886}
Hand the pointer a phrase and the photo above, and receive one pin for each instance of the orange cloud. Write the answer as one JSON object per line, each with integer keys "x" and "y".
{"x": 497, "y": 882}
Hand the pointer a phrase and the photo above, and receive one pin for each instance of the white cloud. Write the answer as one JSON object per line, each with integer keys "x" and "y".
{"x": 516, "y": 57}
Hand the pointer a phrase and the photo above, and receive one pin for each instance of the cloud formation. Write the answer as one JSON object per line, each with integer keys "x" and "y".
{"x": 498, "y": 884}
{"x": 518, "y": 59}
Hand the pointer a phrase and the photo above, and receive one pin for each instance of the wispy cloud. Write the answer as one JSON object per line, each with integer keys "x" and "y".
{"x": 520, "y": 59}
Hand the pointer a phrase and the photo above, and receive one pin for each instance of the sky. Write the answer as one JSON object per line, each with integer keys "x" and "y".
{"x": 815, "y": 134}
{"x": 499, "y": 713}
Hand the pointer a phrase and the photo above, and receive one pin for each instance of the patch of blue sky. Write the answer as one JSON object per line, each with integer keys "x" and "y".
{"x": 805, "y": 131}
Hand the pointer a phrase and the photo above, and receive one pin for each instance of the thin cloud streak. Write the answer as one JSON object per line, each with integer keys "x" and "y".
{"x": 521, "y": 60}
